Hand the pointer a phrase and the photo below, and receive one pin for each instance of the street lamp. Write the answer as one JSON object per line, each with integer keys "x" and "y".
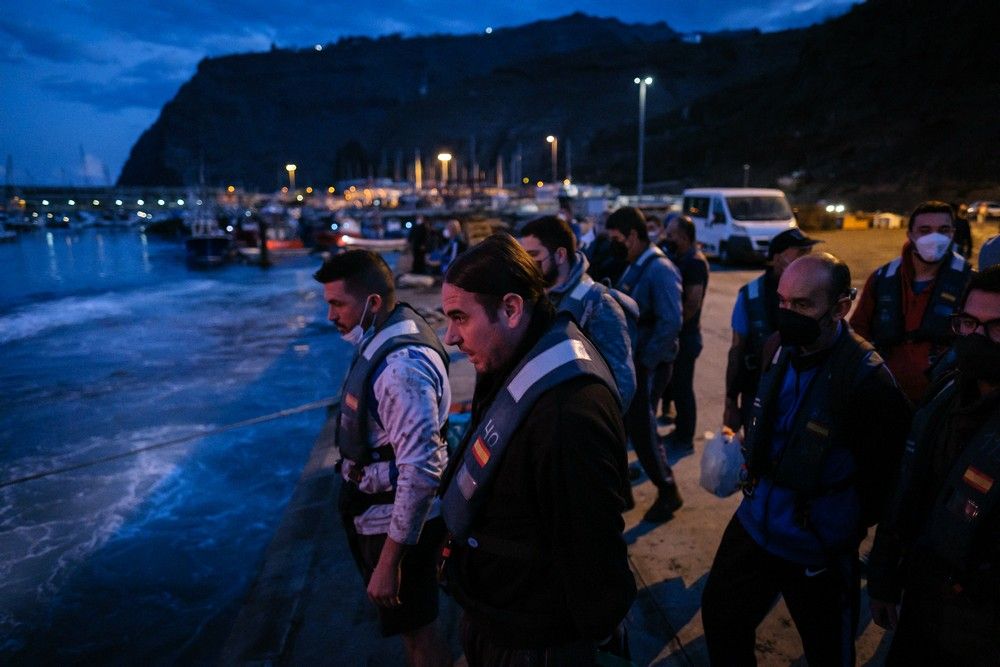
{"x": 291, "y": 176}
{"x": 554, "y": 142}
{"x": 746, "y": 175}
{"x": 642, "y": 82}
{"x": 444, "y": 157}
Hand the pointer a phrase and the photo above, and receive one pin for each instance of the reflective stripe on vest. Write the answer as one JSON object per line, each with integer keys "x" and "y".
{"x": 816, "y": 427}
{"x": 582, "y": 300}
{"x": 635, "y": 270}
{"x": 888, "y": 325}
{"x": 562, "y": 354}
{"x": 403, "y": 327}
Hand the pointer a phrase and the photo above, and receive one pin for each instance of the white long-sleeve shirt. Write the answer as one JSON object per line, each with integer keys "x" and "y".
{"x": 412, "y": 396}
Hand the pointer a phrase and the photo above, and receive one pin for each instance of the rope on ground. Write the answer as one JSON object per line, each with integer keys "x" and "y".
{"x": 306, "y": 407}
{"x": 663, "y": 613}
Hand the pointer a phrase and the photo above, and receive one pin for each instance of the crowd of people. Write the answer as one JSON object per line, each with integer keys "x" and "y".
{"x": 849, "y": 416}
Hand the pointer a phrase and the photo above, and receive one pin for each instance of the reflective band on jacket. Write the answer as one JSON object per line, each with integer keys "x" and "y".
{"x": 562, "y": 354}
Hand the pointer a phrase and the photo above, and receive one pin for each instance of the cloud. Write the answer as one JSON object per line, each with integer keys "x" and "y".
{"x": 145, "y": 85}
{"x": 45, "y": 44}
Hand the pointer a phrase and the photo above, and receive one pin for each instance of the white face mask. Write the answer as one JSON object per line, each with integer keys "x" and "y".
{"x": 355, "y": 335}
{"x": 932, "y": 247}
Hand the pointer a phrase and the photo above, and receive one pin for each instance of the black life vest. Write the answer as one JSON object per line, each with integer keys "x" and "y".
{"x": 760, "y": 301}
{"x": 816, "y": 427}
{"x": 561, "y": 354}
{"x": 971, "y": 492}
{"x": 888, "y": 326}
{"x": 403, "y": 327}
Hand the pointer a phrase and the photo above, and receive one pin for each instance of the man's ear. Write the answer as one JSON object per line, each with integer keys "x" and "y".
{"x": 562, "y": 255}
{"x": 842, "y": 307}
{"x": 376, "y": 303}
{"x": 512, "y": 309}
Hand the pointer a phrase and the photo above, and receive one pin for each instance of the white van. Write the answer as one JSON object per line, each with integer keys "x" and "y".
{"x": 737, "y": 223}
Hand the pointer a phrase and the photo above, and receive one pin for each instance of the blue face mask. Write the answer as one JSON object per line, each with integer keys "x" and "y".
{"x": 357, "y": 334}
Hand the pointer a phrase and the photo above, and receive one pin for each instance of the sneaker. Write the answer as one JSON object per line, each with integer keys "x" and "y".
{"x": 662, "y": 510}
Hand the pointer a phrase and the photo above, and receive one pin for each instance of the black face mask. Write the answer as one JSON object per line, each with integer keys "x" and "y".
{"x": 619, "y": 250}
{"x": 978, "y": 358}
{"x": 796, "y": 328}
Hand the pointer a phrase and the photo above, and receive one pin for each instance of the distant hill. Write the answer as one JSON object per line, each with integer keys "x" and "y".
{"x": 894, "y": 100}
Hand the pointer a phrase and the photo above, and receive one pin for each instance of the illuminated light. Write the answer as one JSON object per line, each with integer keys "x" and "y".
{"x": 72, "y": 203}
{"x": 409, "y": 225}
{"x": 830, "y": 208}
{"x": 22, "y": 202}
{"x": 566, "y": 182}
{"x": 229, "y": 228}
{"x": 335, "y": 226}
{"x": 180, "y": 202}
{"x": 247, "y": 214}
{"x": 525, "y": 180}
{"x": 49, "y": 216}
{"x": 160, "y": 202}
{"x": 444, "y": 157}
{"x": 65, "y": 218}
{"x": 284, "y": 190}
{"x": 231, "y": 189}
{"x": 331, "y": 189}
{"x": 649, "y": 80}
{"x": 353, "y": 189}
{"x": 118, "y": 202}
{"x": 550, "y": 139}
{"x": 139, "y": 202}
{"x": 318, "y": 47}
{"x": 298, "y": 197}
{"x": 35, "y": 214}
{"x": 290, "y": 167}
{"x": 309, "y": 190}
{"x": 637, "y": 80}
{"x": 45, "y": 202}
{"x": 840, "y": 208}
{"x": 489, "y": 30}
{"x": 97, "y": 203}
{"x": 539, "y": 183}
{"x": 199, "y": 202}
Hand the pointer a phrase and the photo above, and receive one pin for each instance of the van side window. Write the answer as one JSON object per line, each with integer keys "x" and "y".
{"x": 718, "y": 210}
{"x": 696, "y": 207}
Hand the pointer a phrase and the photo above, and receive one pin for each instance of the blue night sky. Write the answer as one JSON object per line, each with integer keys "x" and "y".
{"x": 81, "y": 79}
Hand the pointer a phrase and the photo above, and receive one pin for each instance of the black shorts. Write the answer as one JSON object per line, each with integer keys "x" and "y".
{"x": 418, "y": 590}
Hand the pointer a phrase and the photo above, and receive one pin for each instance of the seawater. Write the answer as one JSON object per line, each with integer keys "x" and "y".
{"x": 108, "y": 342}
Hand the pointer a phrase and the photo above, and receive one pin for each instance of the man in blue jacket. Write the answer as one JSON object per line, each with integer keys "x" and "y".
{"x": 655, "y": 285}
{"x": 824, "y": 438}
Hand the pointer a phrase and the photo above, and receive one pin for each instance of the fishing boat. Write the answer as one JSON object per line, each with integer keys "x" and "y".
{"x": 208, "y": 245}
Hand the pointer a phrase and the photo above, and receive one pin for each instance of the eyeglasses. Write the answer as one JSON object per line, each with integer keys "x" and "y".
{"x": 964, "y": 324}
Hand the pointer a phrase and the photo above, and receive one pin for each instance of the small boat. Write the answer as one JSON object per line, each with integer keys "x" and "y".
{"x": 208, "y": 245}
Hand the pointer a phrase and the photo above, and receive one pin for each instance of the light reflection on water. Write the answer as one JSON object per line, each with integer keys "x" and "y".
{"x": 109, "y": 342}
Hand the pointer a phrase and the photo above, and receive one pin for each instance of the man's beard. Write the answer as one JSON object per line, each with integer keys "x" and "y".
{"x": 551, "y": 276}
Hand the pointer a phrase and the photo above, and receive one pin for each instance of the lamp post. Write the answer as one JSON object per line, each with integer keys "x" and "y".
{"x": 444, "y": 157}
{"x": 554, "y": 143}
{"x": 643, "y": 82}
{"x": 746, "y": 175}
{"x": 290, "y": 168}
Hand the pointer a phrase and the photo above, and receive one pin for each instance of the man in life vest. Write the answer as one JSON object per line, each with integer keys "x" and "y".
{"x": 938, "y": 548}
{"x": 825, "y": 436}
{"x": 655, "y": 284}
{"x": 533, "y": 497}
{"x": 393, "y": 405}
{"x": 605, "y": 315}
{"x": 907, "y": 304}
{"x": 754, "y": 319}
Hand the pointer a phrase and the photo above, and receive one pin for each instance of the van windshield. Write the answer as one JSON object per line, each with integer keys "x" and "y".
{"x": 759, "y": 208}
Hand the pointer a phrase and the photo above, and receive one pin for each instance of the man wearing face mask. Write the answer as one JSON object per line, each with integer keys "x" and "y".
{"x": 938, "y": 547}
{"x": 906, "y": 304}
{"x": 754, "y": 319}
{"x": 826, "y": 433}
{"x": 600, "y": 312}
{"x": 394, "y": 403}
{"x": 655, "y": 284}
{"x": 683, "y": 251}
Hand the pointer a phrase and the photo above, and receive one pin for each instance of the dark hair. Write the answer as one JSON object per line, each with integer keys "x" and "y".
{"x": 987, "y": 280}
{"x": 363, "y": 272}
{"x": 686, "y": 225}
{"x": 932, "y": 206}
{"x": 495, "y": 267}
{"x": 628, "y": 219}
{"x": 553, "y": 233}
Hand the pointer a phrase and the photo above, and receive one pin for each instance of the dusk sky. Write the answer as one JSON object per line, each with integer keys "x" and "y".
{"x": 81, "y": 79}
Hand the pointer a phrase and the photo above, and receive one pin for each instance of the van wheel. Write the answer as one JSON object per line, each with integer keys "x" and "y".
{"x": 724, "y": 257}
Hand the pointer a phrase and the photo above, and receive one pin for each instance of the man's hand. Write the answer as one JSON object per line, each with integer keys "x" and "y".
{"x": 731, "y": 416}
{"x": 383, "y": 587}
{"x": 885, "y": 614}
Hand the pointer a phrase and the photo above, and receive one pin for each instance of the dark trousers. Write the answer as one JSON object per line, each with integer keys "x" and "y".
{"x": 744, "y": 584}
{"x": 482, "y": 651}
{"x": 641, "y": 427}
{"x": 680, "y": 390}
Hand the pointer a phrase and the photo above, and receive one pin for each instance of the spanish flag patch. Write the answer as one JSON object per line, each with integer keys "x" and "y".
{"x": 978, "y": 480}
{"x": 481, "y": 452}
{"x": 351, "y": 401}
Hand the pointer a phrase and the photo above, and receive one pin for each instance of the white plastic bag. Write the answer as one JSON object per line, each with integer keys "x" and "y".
{"x": 721, "y": 462}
